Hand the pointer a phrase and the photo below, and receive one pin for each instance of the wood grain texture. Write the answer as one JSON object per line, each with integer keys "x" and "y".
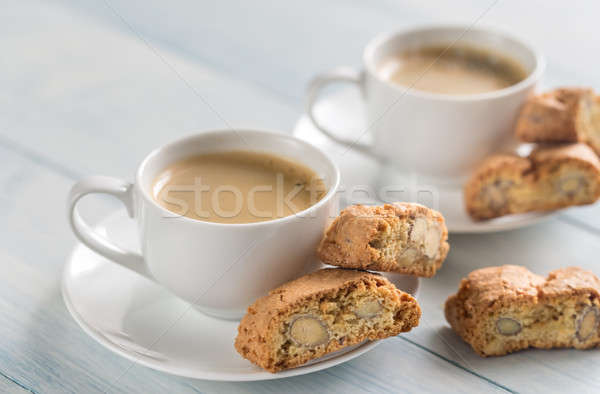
{"x": 8, "y": 385}
{"x": 92, "y": 86}
{"x": 106, "y": 98}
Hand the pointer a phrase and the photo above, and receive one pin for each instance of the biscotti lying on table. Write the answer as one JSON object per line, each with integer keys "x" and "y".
{"x": 320, "y": 313}
{"x": 406, "y": 238}
{"x": 552, "y": 177}
{"x": 499, "y": 310}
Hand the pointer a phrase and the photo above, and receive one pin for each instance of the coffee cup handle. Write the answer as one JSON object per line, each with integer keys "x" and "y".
{"x": 342, "y": 74}
{"x": 124, "y": 192}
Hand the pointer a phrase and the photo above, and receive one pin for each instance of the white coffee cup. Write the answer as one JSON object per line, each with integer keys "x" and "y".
{"x": 219, "y": 268}
{"x": 439, "y": 136}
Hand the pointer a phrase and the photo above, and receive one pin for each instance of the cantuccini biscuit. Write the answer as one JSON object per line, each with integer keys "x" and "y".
{"x": 401, "y": 237}
{"x": 499, "y": 310}
{"x": 320, "y": 313}
{"x": 561, "y": 115}
{"x": 552, "y": 177}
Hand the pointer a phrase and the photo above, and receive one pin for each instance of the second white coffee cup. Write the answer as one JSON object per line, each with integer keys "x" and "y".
{"x": 438, "y": 136}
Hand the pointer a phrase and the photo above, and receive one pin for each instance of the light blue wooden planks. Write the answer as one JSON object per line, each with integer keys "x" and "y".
{"x": 11, "y": 387}
{"x": 83, "y": 93}
{"x": 106, "y": 99}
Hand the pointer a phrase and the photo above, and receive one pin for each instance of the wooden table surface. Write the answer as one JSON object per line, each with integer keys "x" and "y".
{"x": 89, "y": 87}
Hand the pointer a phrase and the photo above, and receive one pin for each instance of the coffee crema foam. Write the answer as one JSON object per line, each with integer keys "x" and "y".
{"x": 457, "y": 70}
{"x": 237, "y": 187}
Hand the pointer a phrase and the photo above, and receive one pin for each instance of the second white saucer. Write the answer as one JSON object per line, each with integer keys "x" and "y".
{"x": 344, "y": 111}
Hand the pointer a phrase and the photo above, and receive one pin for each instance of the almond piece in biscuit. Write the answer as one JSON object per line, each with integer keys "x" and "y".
{"x": 500, "y": 310}
{"x": 402, "y": 237}
{"x": 320, "y": 313}
{"x": 561, "y": 115}
{"x": 552, "y": 177}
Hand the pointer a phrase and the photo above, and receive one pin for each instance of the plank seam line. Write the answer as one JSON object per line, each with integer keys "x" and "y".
{"x": 490, "y": 381}
{"x": 379, "y": 387}
{"x": 579, "y": 224}
{"x": 17, "y": 383}
{"x": 38, "y": 159}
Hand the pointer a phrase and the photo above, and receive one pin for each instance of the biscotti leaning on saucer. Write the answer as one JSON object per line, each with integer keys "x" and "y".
{"x": 561, "y": 115}
{"x": 499, "y": 310}
{"x": 402, "y": 237}
{"x": 320, "y": 313}
{"x": 552, "y": 177}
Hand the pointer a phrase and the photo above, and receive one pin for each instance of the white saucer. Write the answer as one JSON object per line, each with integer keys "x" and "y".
{"x": 343, "y": 112}
{"x": 141, "y": 321}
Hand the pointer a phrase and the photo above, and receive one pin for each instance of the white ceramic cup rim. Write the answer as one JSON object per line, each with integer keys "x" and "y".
{"x": 533, "y": 76}
{"x": 158, "y": 151}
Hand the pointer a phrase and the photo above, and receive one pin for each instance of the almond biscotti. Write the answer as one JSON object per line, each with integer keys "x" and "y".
{"x": 499, "y": 310}
{"x": 402, "y": 237}
{"x": 561, "y": 115}
{"x": 552, "y": 177}
{"x": 320, "y": 313}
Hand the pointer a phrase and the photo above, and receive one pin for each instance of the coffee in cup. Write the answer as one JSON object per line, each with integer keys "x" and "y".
{"x": 237, "y": 187}
{"x": 452, "y": 70}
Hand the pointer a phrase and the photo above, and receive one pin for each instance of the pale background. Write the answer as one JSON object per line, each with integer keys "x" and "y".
{"x": 91, "y": 86}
